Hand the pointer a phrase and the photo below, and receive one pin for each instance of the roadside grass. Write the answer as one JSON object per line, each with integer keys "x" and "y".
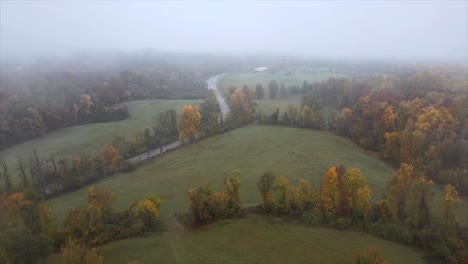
{"x": 91, "y": 138}
{"x": 263, "y": 78}
{"x": 290, "y": 152}
{"x": 255, "y": 240}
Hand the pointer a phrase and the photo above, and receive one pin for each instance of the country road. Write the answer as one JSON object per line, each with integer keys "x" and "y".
{"x": 211, "y": 82}
{"x": 212, "y": 85}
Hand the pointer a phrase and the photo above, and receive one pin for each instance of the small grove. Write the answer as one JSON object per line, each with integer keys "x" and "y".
{"x": 29, "y": 234}
{"x": 343, "y": 201}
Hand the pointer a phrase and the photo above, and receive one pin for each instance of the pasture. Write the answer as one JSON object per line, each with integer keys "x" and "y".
{"x": 294, "y": 153}
{"x": 91, "y": 138}
{"x": 252, "y": 79}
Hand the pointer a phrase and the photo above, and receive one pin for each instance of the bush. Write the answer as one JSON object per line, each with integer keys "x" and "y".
{"x": 391, "y": 232}
{"x": 343, "y": 223}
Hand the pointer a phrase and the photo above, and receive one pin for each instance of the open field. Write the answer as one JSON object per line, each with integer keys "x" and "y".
{"x": 294, "y": 153}
{"x": 268, "y": 106}
{"x": 255, "y": 240}
{"x": 263, "y": 78}
{"x": 91, "y": 138}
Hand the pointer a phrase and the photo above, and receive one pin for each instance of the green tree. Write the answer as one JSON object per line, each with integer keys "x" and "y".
{"x": 273, "y": 88}
{"x": 259, "y": 91}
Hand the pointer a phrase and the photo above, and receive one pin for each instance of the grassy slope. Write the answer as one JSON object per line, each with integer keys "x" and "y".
{"x": 91, "y": 138}
{"x": 255, "y": 241}
{"x": 291, "y": 152}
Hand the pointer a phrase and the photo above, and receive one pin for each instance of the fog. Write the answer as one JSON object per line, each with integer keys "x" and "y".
{"x": 419, "y": 29}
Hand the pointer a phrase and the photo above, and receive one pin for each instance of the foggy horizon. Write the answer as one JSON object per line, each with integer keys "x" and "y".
{"x": 376, "y": 30}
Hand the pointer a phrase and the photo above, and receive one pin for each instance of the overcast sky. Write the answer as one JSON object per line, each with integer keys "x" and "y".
{"x": 387, "y": 29}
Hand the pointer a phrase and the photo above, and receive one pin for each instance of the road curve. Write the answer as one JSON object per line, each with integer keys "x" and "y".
{"x": 212, "y": 83}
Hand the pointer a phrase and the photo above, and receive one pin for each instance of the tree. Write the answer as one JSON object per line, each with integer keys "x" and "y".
{"x": 330, "y": 192}
{"x": 8, "y": 185}
{"x": 32, "y": 125}
{"x": 283, "y": 92}
{"x": 273, "y": 89}
{"x": 99, "y": 203}
{"x": 358, "y": 193}
{"x": 242, "y": 106}
{"x": 450, "y": 201}
{"x": 148, "y": 210}
{"x": 190, "y": 123}
{"x": 409, "y": 196}
{"x": 283, "y": 196}
{"x": 232, "y": 192}
{"x": 211, "y": 114}
{"x": 259, "y": 92}
{"x": 111, "y": 158}
{"x": 265, "y": 186}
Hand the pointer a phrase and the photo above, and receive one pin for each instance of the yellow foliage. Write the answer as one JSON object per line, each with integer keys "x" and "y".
{"x": 330, "y": 191}
{"x": 190, "y": 123}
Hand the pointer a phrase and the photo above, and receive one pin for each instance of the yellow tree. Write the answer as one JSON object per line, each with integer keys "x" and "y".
{"x": 99, "y": 202}
{"x": 451, "y": 199}
{"x": 147, "y": 211}
{"x": 330, "y": 192}
{"x": 358, "y": 191}
{"x": 190, "y": 123}
{"x": 389, "y": 118}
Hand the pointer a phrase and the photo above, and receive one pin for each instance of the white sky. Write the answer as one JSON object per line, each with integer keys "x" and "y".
{"x": 386, "y": 29}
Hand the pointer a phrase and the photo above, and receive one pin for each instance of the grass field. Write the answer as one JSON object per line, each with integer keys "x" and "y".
{"x": 294, "y": 153}
{"x": 268, "y": 106}
{"x": 255, "y": 240}
{"x": 91, "y": 138}
{"x": 252, "y": 79}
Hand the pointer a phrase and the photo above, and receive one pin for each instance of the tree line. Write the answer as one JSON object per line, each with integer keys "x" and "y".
{"x": 33, "y": 102}
{"x": 29, "y": 234}
{"x": 405, "y": 214}
{"x": 419, "y": 119}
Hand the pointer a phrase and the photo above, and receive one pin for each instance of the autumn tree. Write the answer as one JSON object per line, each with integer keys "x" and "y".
{"x": 111, "y": 158}
{"x": 190, "y": 123}
{"x": 409, "y": 195}
{"x": 330, "y": 192}
{"x": 99, "y": 203}
{"x": 358, "y": 193}
{"x": 148, "y": 209}
{"x": 449, "y": 203}
{"x": 242, "y": 106}
{"x": 32, "y": 124}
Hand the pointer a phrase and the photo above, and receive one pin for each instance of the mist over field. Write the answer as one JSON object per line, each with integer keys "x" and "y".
{"x": 384, "y": 30}
{"x": 233, "y": 132}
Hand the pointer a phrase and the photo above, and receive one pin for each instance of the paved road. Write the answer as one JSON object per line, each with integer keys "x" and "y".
{"x": 154, "y": 152}
{"x": 211, "y": 82}
{"x": 212, "y": 85}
